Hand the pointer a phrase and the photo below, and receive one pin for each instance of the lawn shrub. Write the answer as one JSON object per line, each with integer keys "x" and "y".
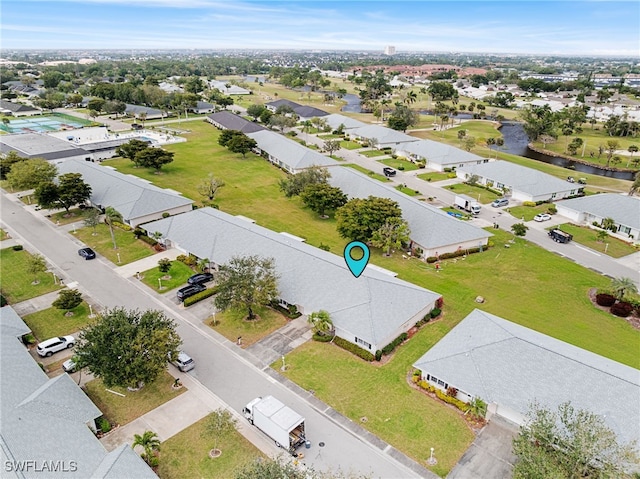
{"x": 207, "y": 293}
{"x": 122, "y": 226}
{"x": 188, "y": 260}
{"x": 552, "y": 210}
{"x": 352, "y": 348}
{"x": 388, "y": 349}
{"x": 401, "y": 168}
{"x": 622, "y": 309}
{"x": 443, "y": 396}
{"x": 3, "y": 302}
{"x": 423, "y": 321}
{"x": 103, "y": 424}
{"x": 17, "y": 247}
{"x": 439, "y": 302}
{"x": 28, "y": 339}
{"x": 529, "y": 203}
{"x": 455, "y": 254}
{"x": 435, "y": 312}
{"x": 166, "y": 214}
{"x": 378, "y": 355}
{"x": 291, "y": 312}
{"x": 604, "y": 299}
{"x": 322, "y": 338}
{"x": 148, "y": 240}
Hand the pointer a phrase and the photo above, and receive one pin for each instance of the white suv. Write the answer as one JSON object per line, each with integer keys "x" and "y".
{"x": 53, "y": 345}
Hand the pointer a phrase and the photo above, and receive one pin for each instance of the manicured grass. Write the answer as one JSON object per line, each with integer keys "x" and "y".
{"x": 372, "y": 153}
{"x": 528, "y": 212}
{"x": 475, "y": 192}
{"x": 122, "y": 410}
{"x": 367, "y": 172}
{"x": 407, "y": 191}
{"x": 16, "y": 282}
{"x": 232, "y": 324}
{"x": 350, "y": 145}
{"x": 129, "y": 248}
{"x": 187, "y": 454}
{"x": 397, "y": 164}
{"x": 584, "y": 235}
{"x": 434, "y": 176}
{"x": 179, "y": 273}
{"x": 330, "y": 136}
{"x": 64, "y": 218}
{"x": 52, "y": 322}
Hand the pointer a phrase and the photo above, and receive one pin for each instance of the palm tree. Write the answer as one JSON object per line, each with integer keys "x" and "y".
{"x": 111, "y": 216}
{"x": 632, "y": 149}
{"x": 635, "y": 186}
{"x": 321, "y": 322}
{"x": 203, "y": 265}
{"x": 411, "y": 97}
{"x": 622, "y": 287}
{"x": 149, "y": 442}
{"x": 602, "y": 236}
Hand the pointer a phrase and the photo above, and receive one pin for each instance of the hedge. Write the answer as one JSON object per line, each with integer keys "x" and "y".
{"x": 604, "y": 299}
{"x": 200, "y": 296}
{"x": 455, "y": 254}
{"x": 122, "y": 226}
{"x": 17, "y": 247}
{"x": 322, "y": 338}
{"x": 148, "y": 240}
{"x": 388, "y": 349}
{"x": 352, "y": 348}
{"x": 621, "y": 309}
{"x": 463, "y": 406}
{"x": 435, "y": 312}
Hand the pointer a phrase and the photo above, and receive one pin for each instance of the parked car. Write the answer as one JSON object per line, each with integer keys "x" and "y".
{"x": 388, "y": 171}
{"x": 69, "y": 366}
{"x": 500, "y": 202}
{"x": 53, "y": 345}
{"x": 87, "y": 253}
{"x": 542, "y": 217}
{"x": 200, "y": 278}
{"x": 184, "y": 293}
{"x": 183, "y": 362}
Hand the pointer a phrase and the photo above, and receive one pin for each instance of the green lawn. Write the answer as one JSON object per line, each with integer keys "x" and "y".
{"x": 528, "y": 212}
{"x": 330, "y": 136}
{"x": 179, "y": 273}
{"x": 434, "y": 176}
{"x": 129, "y": 248}
{"x": 52, "y": 322}
{"x": 186, "y": 454}
{"x": 475, "y": 192}
{"x": 367, "y": 172}
{"x": 350, "y": 145}
{"x": 584, "y": 235}
{"x": 232, "y": 324}
{"x": 122, "y": 410}
{"x": 64, "y": 218}
{"x": 16, "y": 282}
{"x": 372, "y": 153}
{"x": 398, "y": 164}
{"x": 407, "y": 191}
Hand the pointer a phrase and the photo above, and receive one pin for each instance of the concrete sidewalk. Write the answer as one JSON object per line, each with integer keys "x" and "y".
{"x": 129, "y": 270}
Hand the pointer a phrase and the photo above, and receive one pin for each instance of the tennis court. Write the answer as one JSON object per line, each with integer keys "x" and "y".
{"x": 45, "y": 123}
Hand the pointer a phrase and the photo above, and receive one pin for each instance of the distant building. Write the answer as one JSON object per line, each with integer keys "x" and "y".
{"x": 17, "y": 109}
{"x": 389, "y": 50}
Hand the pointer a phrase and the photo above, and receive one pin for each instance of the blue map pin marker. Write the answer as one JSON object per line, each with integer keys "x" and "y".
{"x": 356, "y": 266}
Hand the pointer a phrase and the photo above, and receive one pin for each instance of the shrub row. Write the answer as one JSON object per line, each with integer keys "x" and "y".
{"x": 17, "y": 247}
{"x": 122, "y": 226}
{"x": 622, "y": 309}
{"x": 322, "y": 338}
{"x": 463, "y": 406}
{"x": 388, "y": 349}
{"x": 529, "y": 203}
{"x": 352, "y": 348}
{"x": 148, "y": 240}
{"x": 291, "y": 312}
{"x": 604, "y": 299}
{"x": 455, "y": 254}
{"x": 188, "y": 260}
{"x": 103, "y": 424}
{"x": 200, "y": 296}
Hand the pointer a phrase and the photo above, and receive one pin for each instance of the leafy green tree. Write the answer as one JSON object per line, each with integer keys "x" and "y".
{"x": 154, "y": 158}
{"x": 245, "y": 283}
{"x": 569, "y": 444}
{"x": 209, "y": 186}
{"x": 294, "y": 185}
{"x": 112, "y": 216}
{"x": 321, "y": 322}
{"x": 331, "y": 146}
{"x": 402, "y": 117}
{"x": 623, "y": 287}
{"x": 321, "y": 197}
{"x": 47, "y": 195}
{"x": 219, "y": 423}
{"x": 164, "y": 265}
{"x": 74, "y": 99}
{"x": 359, "y": 218}
{"x": 241, "y": 144}
{"x": 72, "y": 190}
{"x": 193, "y": 85}
{"x": 10, "y": 159}
{"x": 391, "y": 235}
{"x": 68, "y": 299}
{"x": 92, "y": 219}
{"x": 96, "y": 104}
{"x": 150, "y": 442}
{"x": 25, "y": 175}
{"x": 36, "y": 264}
{"x": 469, "y": 143}
{"x": 227, "y": 135}
{"x": 611, "y": 147}
{"x": 265, "y": 116}
{"x": 131, "y": 149}
{"x": 538, "y": 120}
{"x": 255, "y": 110}
{"x": 442, "y": 91}
{"x": 519, "y": 229}
{"x": 127, "y": 348}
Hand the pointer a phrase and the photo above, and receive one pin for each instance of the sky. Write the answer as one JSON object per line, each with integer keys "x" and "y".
{"x": 578, "y": 27}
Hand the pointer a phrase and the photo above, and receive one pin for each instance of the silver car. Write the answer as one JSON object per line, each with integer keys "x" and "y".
{"x": 184, "y": 362}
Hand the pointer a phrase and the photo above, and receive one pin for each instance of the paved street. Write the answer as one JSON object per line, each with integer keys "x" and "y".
{"x": 233, "y": 374}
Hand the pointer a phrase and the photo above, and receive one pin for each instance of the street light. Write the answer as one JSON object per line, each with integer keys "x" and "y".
{"x": 91, "y": 315}
{"x": 118, "y": 254}
{"x": 55, "y": 279}
{"x": 284, "y": 366}
{"x": 432, "y": 461}
{"x": 159, "y": 283}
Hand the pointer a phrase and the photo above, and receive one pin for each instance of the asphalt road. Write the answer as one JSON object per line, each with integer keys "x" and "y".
{"x": 220, "y": 367}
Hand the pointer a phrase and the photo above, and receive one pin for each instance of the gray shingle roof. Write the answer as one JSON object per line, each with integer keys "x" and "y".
{"x": 384, "y": 135}
{"x": 430, "y": 227}
{"x": 231, "y": 121}
{"x": 290, "y": 152}
{"x": 38, "y": 145}
{"x": 503, "y": 362}
{"x": 15, "y": 107}
{"x": 11, "y": 323}
{"x": 623, "y": 209}
{"x": 370, "y": 307}
{"x": 304, "y": 111}
{"x": 277, "y": 103}
{"x": 335, "y": 120}
{"x": 519, "y": 178}
{"x": 439, "y": 152}
{"x": 131, "y": 197}
{"x": 137, "y": 109}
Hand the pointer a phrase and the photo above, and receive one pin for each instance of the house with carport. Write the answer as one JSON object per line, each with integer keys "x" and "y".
{"x": 335, "y": 120}
{"x": 137, "y": 200}
{"x": 383, "y": 137}
{"x": 225, "y": 120}
{"x": 524, "y": 184}
{"x": 438, "y": 156}
{"x": 510, "y": 366}
{"x": 369, "y": 311}
{"x": 624, "y": 210}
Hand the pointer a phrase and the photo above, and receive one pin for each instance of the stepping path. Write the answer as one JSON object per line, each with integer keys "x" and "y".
{"x": 282, "y": 341}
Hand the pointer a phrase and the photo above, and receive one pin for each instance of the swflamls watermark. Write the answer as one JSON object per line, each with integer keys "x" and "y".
{"x": 40, "y": 466}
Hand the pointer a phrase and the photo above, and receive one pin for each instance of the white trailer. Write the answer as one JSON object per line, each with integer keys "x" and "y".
{"x": 467, "y": 204}
{"x": 279, "y": 422}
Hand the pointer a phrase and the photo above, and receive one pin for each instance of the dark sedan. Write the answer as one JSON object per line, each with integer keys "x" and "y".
{"x": 200, "y": 278}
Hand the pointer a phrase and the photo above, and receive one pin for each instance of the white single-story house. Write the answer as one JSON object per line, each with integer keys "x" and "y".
{"x": 288, "y": 154}
{"x": 136, "y": 200}
{"x": 509, "y": 366}
{"x": 384, "y": 137}
{"x": 203, "y": 107}
{"x": 226, "y": 120}
{"x": 624, "y": 210}
{"x": 137, "y": 111}
{"x": 228, "y": 88}
{"x": 30, "y": 401}
{"x": 273, "y": 106}
{"x": 438, "y": 156}
{"x": 18, "y": 109}
{"x": 432, "y": 230}
{"x": 335, "y": 120}
{"x": 369, "y": 311}
{"x": 525, "y": 184}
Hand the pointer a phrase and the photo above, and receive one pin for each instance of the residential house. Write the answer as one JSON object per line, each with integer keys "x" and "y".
{"x": 17, "y": 109}
{"x": 137, "y": 111}
{"x": 382, "y": 136}
{"x": 272, "y": 106}
{"x": 225, "y": 120}
{"x": 47, "y": 426}
{"x": 509, "y": 366}
{"x": 38, "y": 145}
{"x": 136, "y": 200}
{"x": 433, "y": 232}
{"x": 376, "y": 308}
{"x": 524, "y": 184}
{"x": 624, "y": 210}
{"x": 438, "y": 156}
{"x": 307, "y": 112}
{"x": 335, "y": 120}
{"x": 228, "y": 88}
{"x": 203, "y": 107}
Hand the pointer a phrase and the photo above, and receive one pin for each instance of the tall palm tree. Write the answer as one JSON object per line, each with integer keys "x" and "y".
{"x": 111, "y": 216}
{"x": 622, "y": 287}
{"x": 149, "y": 442}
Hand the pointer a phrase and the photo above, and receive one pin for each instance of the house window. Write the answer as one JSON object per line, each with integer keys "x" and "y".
{"x": 364, "y": 343}
{"x": 624, "y": 229}
{"x": 433, "y": 379}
